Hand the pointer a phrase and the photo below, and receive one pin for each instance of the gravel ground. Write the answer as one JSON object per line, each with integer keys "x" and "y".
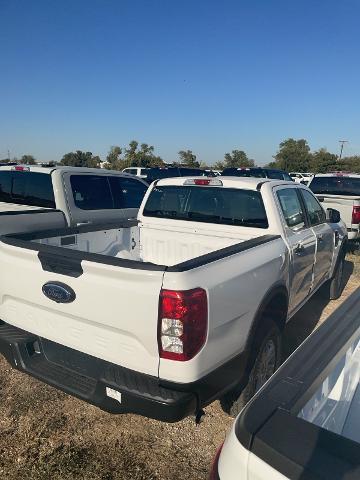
{"x": 45, "y": 434}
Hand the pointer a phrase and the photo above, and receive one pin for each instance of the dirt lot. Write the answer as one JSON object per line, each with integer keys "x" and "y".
{"x": 45, "y": 434}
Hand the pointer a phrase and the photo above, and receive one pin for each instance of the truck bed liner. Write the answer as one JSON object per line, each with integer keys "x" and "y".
{"x": 68, "y": 261}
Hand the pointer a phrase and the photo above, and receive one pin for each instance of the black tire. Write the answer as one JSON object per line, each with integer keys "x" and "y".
{"x": 267, "y": 360}
{"x": 336, "y": 284}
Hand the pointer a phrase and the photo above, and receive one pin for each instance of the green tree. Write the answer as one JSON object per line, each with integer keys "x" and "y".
{"x": 235, "y": 159}
{"x": 351, "y": 164}
{"x": 28, "y": 160}
{"x": 80, "y": 159}
{"x": 188, "y": 159}
{"x": 323, "y": 161}
{"x": 142, "y": 156}
{"x": 113, "y": 159}
{"x": 218, "y": 165}
{"x": 293, "y": 155}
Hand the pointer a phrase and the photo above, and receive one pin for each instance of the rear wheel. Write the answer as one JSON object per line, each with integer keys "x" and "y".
{"x": 267, "y": 360}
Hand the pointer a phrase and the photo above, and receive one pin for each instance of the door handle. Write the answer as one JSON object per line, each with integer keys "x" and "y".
{"x": 320, "y": 238}
{"x": 299, "y": 249}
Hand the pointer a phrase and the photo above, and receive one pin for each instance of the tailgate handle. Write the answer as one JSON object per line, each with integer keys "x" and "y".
{"x": 60, "y": 264}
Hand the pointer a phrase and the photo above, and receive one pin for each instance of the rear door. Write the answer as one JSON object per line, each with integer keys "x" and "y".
{"x": 302, "y": 244}
{"x": 324, "y": 236}
{"x": 102, "y": 198}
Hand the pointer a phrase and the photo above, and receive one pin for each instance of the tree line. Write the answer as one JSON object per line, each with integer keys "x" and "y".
{"x": 292, "y": 155}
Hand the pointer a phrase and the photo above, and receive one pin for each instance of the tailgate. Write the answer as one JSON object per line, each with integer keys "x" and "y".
{"x": 114, "y": 313}
{"x": 342, "y": 203}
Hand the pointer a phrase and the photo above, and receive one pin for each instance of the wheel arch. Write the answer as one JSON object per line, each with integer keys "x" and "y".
{"x": 273, "y": 306}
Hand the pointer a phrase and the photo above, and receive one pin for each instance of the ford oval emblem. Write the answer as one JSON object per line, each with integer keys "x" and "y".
{"x": 58, "y": 292}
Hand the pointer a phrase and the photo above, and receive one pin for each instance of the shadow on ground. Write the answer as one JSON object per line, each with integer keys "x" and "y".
{"x": 305, "y": 321}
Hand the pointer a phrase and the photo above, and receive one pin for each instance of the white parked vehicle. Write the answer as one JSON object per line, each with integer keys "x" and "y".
{"x": 305, "y": 422}
{"x": 342, "y": 192}
{"x": 37, "y": 198}
{"x": 140, "y": 172}
{"x": 211, "y": 172}
{"x": 162, "y": 316}
{"x": 304, "y": 178}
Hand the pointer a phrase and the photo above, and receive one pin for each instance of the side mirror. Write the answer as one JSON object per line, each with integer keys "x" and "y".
{"x": 332, "y": 215}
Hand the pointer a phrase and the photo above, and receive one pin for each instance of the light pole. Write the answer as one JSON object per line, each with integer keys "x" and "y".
{"x": 342, "y": 142}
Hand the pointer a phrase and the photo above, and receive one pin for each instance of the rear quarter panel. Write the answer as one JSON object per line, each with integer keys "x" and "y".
{"x": 238, "y": 463}
{"x": 235, "y": 286}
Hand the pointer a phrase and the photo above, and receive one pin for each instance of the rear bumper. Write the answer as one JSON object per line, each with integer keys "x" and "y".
{"x": 90, "y": 378}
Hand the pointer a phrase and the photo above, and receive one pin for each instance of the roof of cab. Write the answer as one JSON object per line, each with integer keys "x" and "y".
{"x": 64, "y": 168}
{"x": 338, "y": 174}
{"x": 248, "y": 183}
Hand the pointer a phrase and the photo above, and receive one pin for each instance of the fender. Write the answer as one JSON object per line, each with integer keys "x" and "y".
{"x": 342, "y": 252}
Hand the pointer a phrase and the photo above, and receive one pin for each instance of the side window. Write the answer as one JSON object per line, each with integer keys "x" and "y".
{"x": 291, "y": 208}
{"x": 91, "y": 192}
{"x": 5, "y": 186}
{"x": 127, "y": 193}
{"x": 286, "y": 177}
{"x": 314, "y": 209}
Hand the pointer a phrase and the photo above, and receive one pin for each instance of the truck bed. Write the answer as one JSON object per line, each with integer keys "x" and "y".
{"x": 133, "y": 241}
{"x": 336, "y": 404}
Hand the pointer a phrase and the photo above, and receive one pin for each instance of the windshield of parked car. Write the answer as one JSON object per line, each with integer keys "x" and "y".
{"x": 227, "y": 206}
{"x": 336, "y": 185}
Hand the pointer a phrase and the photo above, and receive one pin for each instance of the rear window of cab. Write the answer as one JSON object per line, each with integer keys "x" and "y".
{"x": 27, "y": 188}
{"x": 336, "y": 185}
{"x": 226, "y": 206}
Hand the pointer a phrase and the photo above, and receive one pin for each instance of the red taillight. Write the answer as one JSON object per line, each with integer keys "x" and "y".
{"x": 182, "y": 326}
{"x": 214, "y": 473}
{"x": 202, "y": 181}
{"x": 19, "y": 168}
{"x": 355, "y": 215}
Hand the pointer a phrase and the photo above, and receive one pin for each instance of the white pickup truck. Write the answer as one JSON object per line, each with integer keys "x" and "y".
{"x": 341, "y": 191}
{"x": 162, "y": 316}
{"x": 305, "y": 422}
{"x": 36, "y": 198}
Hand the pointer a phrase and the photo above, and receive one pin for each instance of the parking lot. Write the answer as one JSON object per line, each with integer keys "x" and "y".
{"x": 46, "y": 434}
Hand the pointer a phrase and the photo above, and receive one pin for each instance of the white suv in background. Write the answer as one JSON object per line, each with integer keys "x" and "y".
{"x": 342, "y": 192}
{"x": 304, "y": 178}
{"x": 137, "y": 171}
